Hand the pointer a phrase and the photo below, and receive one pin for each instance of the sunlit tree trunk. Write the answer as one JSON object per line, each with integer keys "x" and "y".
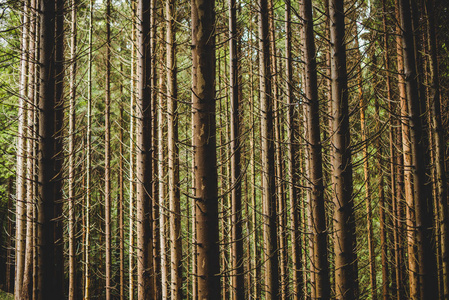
{"x": 425, "y": 255}
{"x": 204, "y": 143}
{"x": 173, "y": 154}
{"x": 21, "y": 157}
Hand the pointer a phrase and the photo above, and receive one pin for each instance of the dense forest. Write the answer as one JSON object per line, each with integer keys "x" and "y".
{"x": 224, "y": 149}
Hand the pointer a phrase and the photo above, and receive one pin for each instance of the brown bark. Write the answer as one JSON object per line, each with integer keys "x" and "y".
{"x": 293, "y": 162}
{"x": 107, "y": 155}
{"x": 21, "y": 158}
{"x": 204, "y": 142}
{"x": 173, "y": 155}
{"x": 344, "y": 226}
{"x": 318, "y": 214}
{"x": 71, "y": 155}
{"x": 145, "y": 270}
{"x": 425, "y": 255}
{"x": 237, "y": 273}
{"x": 132, "y": 143}
{"x": 439, "y": 146}
{"x": 271, "y": 283}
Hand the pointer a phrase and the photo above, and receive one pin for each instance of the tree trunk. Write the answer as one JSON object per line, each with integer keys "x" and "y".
{"x": 439, "y": 146}
{"x": 71, "y": 155}
{"x": 204, "y": 143}
{"x": 30, "y": 160}
{"x": 47, "y": 218}
{"x": 318, "y": 213}
{"x": 344, "y": 222}
{"x": 21, "y": 158}
{"x": 173, "y": 154}
{"x": 145, "y": 271}
{"x": 132, "y": 148}
{"x": 107, "y": 155}
{"x": 88, "y": 160}
{"x": 268, "y": 176}
{"x": 237, "y": 274}
{"x": 425, "y": 255}
{"x": 293, "y": 163}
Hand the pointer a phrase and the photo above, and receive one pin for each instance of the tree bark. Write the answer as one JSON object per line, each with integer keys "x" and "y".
{"x": 425, "y": 255}
{"x": 346, "y": 286}
{"x": 318, "y": 213}
{"x": 71, "y": 156}
{"x": 271, "y": 284}
{"x": 107, "y": 155}
{"x": 439, "y": 144}
{"x": 237, "y": 274}
{"x": 204, "y": 143}
{"x": 21, "y": 158}
{"x": 47, "y": 218}
{"x": 145, "y": 271}
{"x": 173, "y": 154}
{"x": 293, "y": 163}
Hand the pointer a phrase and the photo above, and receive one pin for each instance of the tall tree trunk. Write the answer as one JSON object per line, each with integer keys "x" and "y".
{"x": 71, "y": 156}
{"x": 318, "y": 213}
{"x": 396, "y": 274}
{"x": 107, "y": 155}
{"x": 21, "y": 157}
{"x": 30, "y": 160}
{"x": 425, "y": 255}
{"x": 293, "y": 162}
{"x": 120, "y": 208}
{"x": 268, "y": 176}
{"x": 173, "y": 154}
{"x": 237, "y": 273}
{"x": 145, "y": 271}
{"x": 88, "y": 160}
{"x": 344, "y": 222}
{"x": 132, "y": 143}
{"x": 407, "y": 159}
{"x": 204, "y": 143}
{"x": 439, "y": 145}
{"x": 47, "y": 217}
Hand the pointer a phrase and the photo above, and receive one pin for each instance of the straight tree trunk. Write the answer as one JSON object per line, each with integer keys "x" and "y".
{"x": 439, "y": 145}
{"x": 88, "y": 159}
{"x": 132, "y": 143}
{"x": 426, "y": 260}
{"x": 293, "y": 165}
{"x": 204, "y": 143}
{"x": 30, "y": 161}
{"x": 407, "y": 159}
{"x": 107, "y": 155}
{"x": 237, "y": 274}
{"x": 271, "y": 284}
{"x": 318, "y": 213}
{"x": 163, "y": 220}
{"x": 71, "y": 156}
{"x": 173, "y": 154}
{"x": 364, "y": 138}
{"x": 346, "y": 286}
{"x": 47, "y": 218}
{"x": 9, "y": 242}
{"x": 21, "y": 158}
{"x": 145, "y": 271}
